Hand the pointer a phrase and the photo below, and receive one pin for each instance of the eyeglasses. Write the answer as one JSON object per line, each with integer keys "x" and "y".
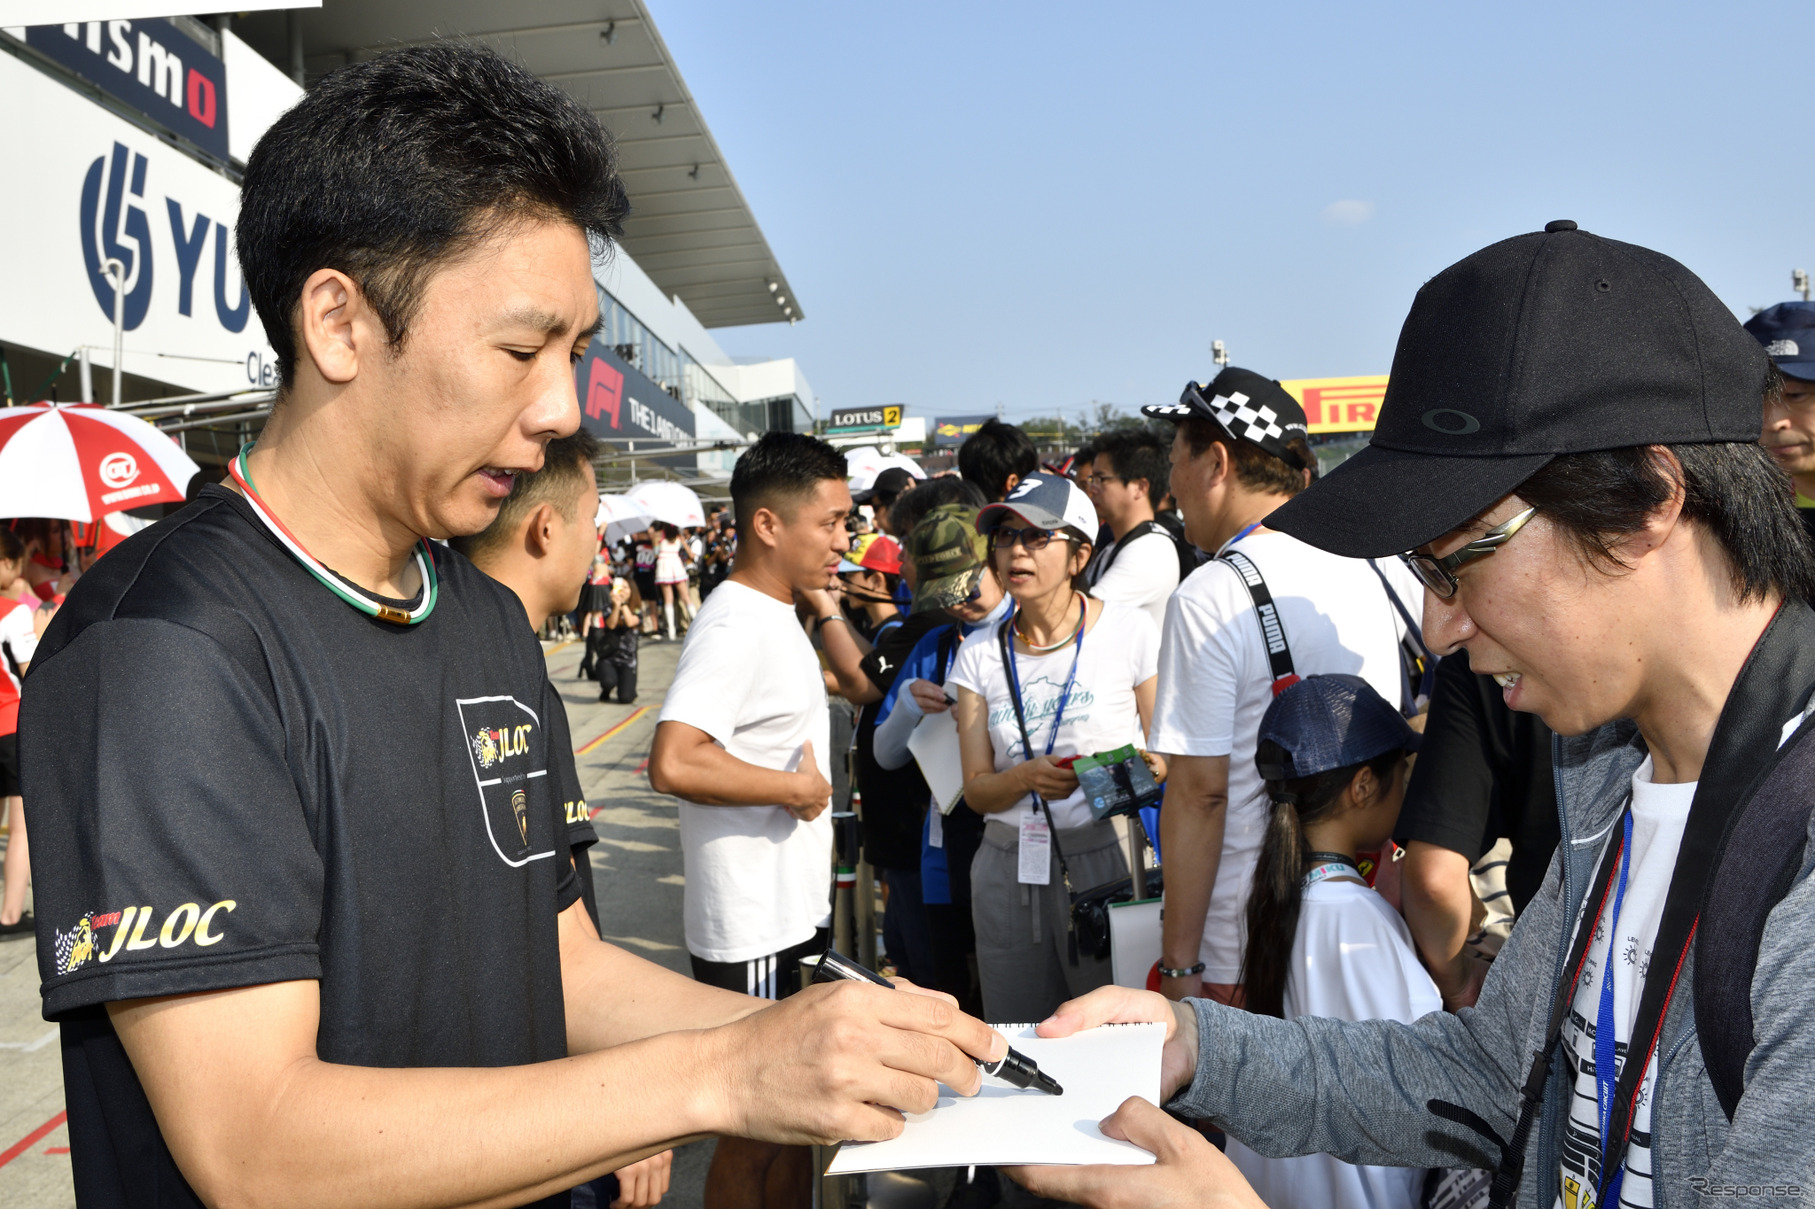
{"x": 1094, "y": 482}
{"x": 1439, "y": 574}
{"x": 1004, "y": 538}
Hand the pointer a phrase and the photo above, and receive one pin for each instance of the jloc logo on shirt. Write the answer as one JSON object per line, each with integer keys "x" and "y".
{"x": 501, "y": 740}
{"x": 81, "y": 944}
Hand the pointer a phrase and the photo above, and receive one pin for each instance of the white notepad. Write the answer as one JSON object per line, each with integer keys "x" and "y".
{"x": 1003, "y": 1125}
{"x": 934, "y": 746}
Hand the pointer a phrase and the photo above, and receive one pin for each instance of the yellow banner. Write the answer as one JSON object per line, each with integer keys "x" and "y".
{"x": 1339, "y": 404}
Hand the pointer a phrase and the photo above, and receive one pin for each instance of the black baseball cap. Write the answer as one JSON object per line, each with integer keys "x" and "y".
{"x": 1787, "y": 331}
{"x": 889, "y": 485}
{"x": 1246, "y": 406}
{"x": 1544, "y": 344}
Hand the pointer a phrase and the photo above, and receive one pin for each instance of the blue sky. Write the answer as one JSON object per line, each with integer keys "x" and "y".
{"x": 1041, "y": 205}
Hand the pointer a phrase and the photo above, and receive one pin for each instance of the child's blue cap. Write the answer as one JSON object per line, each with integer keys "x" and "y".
{"x": 1325, "y": 722}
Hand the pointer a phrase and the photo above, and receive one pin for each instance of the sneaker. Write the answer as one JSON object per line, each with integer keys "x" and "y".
{"x": 22, "y": 928}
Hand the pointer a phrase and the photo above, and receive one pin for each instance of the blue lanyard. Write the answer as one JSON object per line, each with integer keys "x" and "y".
{"x": 1242, "y": 534}
{"x": 1014, "y": 680}
{"x": 1606, "y": 1075}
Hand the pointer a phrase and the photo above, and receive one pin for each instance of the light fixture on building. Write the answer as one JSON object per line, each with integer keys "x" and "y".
{"x": 773, "y": 287}
{"x": 609, "y": 34}
{"x": 782, "y": 299}
{"x": 1799, "y": 281}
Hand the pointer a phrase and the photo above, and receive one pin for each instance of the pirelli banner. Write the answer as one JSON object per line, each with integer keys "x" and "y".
{"x": 1339, "y": 404}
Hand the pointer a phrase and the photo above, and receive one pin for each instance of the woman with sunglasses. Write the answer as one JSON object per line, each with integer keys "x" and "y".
{"x": 1062, "y": 676}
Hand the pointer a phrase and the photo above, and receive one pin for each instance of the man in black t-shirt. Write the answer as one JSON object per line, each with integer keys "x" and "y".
{"x": 307, "y": 911}
{"x": 1483, "y": 774}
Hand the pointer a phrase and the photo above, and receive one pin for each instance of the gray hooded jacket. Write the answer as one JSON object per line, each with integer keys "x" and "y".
{"x": 1360, "y": 1090}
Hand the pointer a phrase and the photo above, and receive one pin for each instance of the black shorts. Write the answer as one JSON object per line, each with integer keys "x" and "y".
{"x": 9, "y": 765}
{"x": 646, "y": 585}
{"x": 776, "y": 976}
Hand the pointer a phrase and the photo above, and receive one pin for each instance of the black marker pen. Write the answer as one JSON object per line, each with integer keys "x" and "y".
{"x": 1015, "y": 1068}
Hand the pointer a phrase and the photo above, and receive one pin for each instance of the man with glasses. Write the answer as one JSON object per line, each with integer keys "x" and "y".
{"x": 1569, "y": 446}
{"x": 1238, "y": 454}
{"x": 1126, "y": 480}
{"x": 1787, "y": 331}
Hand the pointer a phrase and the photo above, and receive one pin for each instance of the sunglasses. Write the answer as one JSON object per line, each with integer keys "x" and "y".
{"x": 1004, "y": 538}
{"x": 1439, "y": 574}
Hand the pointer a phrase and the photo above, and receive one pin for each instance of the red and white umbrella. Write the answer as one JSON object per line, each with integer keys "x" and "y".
{"x": 80, "y": 461}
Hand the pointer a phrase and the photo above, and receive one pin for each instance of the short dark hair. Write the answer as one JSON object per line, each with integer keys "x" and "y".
{"x": 781, "y": 466}
{"x": 387, "y": 168}
{"x": 12, "y": 548}
{"x": 1255, "y": 468}
{"x": 564, "y": 465}
{"x": 1137, "y": 454}
{"x": 1734, "y": 491}
{"x": 994, "y": 452}
{"x": 934, "y": 493}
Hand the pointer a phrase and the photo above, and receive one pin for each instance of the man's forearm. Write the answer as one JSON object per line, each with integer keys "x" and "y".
{"x": 1439, "y": 904}
{"x": 354, "y": 1136}
{"x": 614, "y": 997}
{"x": 708, "y": 775}
{"x": 1191, "y": 837}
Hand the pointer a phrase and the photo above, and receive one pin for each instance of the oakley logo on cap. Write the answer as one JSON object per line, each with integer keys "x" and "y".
{"x": 1257, "y": 423}
{"x": 1783, "y": 348}
{"x": 1450, "y": 422}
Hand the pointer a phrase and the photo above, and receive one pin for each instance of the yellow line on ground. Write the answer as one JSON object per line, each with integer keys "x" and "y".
{"x": 640, "y": 711}
{"x": 559, "y": 646}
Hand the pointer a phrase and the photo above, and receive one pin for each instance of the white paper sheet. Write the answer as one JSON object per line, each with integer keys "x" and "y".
{"x": 1003, "y": 1125}
{"x": 934, "y": 746}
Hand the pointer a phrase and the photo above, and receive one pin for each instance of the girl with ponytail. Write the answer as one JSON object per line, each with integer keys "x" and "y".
{"x": 1334, "y": 757}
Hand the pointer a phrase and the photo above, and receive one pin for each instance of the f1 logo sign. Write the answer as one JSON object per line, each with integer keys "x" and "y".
{"x": 604, "y": 391}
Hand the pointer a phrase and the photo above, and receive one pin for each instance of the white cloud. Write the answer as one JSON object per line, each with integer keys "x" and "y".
{"x": 1348, "y": 213}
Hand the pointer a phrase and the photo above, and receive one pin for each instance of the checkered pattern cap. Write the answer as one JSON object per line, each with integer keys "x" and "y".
{"x": 1325, "y": 722}
{"x": 1246, "y": 406}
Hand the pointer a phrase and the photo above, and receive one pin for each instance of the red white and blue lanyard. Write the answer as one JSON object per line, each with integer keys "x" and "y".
{"x": 1071, "y": 679}
{"x": 1606, "y": 1073}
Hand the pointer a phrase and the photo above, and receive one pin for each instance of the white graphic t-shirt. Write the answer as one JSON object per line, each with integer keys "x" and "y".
{"x": 1658, "y": 815}
{"x": 1120, "y": 651}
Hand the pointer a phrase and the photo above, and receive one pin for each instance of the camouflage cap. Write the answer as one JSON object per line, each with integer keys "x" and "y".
{"x": 948, "y": 556}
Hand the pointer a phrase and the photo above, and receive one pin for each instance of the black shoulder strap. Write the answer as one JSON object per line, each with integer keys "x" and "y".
{"x": 1762, "y": 851}
{"x": 1272, "y": 633}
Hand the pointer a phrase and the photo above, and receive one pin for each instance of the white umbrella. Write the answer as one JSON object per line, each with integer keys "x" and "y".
{"x": 665, "y": 501}
{"x": 619, "y": 518}
{"x": 864, "y": 464}
{"x": 78, "y": 461}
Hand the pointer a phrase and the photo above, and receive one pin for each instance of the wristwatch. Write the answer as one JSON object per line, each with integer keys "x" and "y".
{"x": 1185, "y": 972}
{"x": 819, "y": 623}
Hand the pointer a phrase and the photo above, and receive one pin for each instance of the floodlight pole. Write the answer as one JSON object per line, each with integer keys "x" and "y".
{"x": 1219, "y": 353}
{"x": 116, "y": 273}
{"x": 1799, "y": 281}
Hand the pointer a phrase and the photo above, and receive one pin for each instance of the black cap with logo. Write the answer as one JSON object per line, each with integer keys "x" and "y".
{"x": 1246, "y": 406}
{"x": 1543, "y": 344}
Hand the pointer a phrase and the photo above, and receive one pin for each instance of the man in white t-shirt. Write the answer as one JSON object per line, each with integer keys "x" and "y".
{"x": 745, "y": 742}
{"x": 1126, "y": 481}
{"x": 1240, "y": 452}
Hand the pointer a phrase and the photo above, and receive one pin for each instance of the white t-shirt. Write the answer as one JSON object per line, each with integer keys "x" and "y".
{"x": 1216, "y": 683}
{"x": 1658, "y": 815}
{"x": 758, "y": 879}
{"x": 1120, "y": 651}
{"x": 1143, "y": 575}
{"x": 1352, "y": 959}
